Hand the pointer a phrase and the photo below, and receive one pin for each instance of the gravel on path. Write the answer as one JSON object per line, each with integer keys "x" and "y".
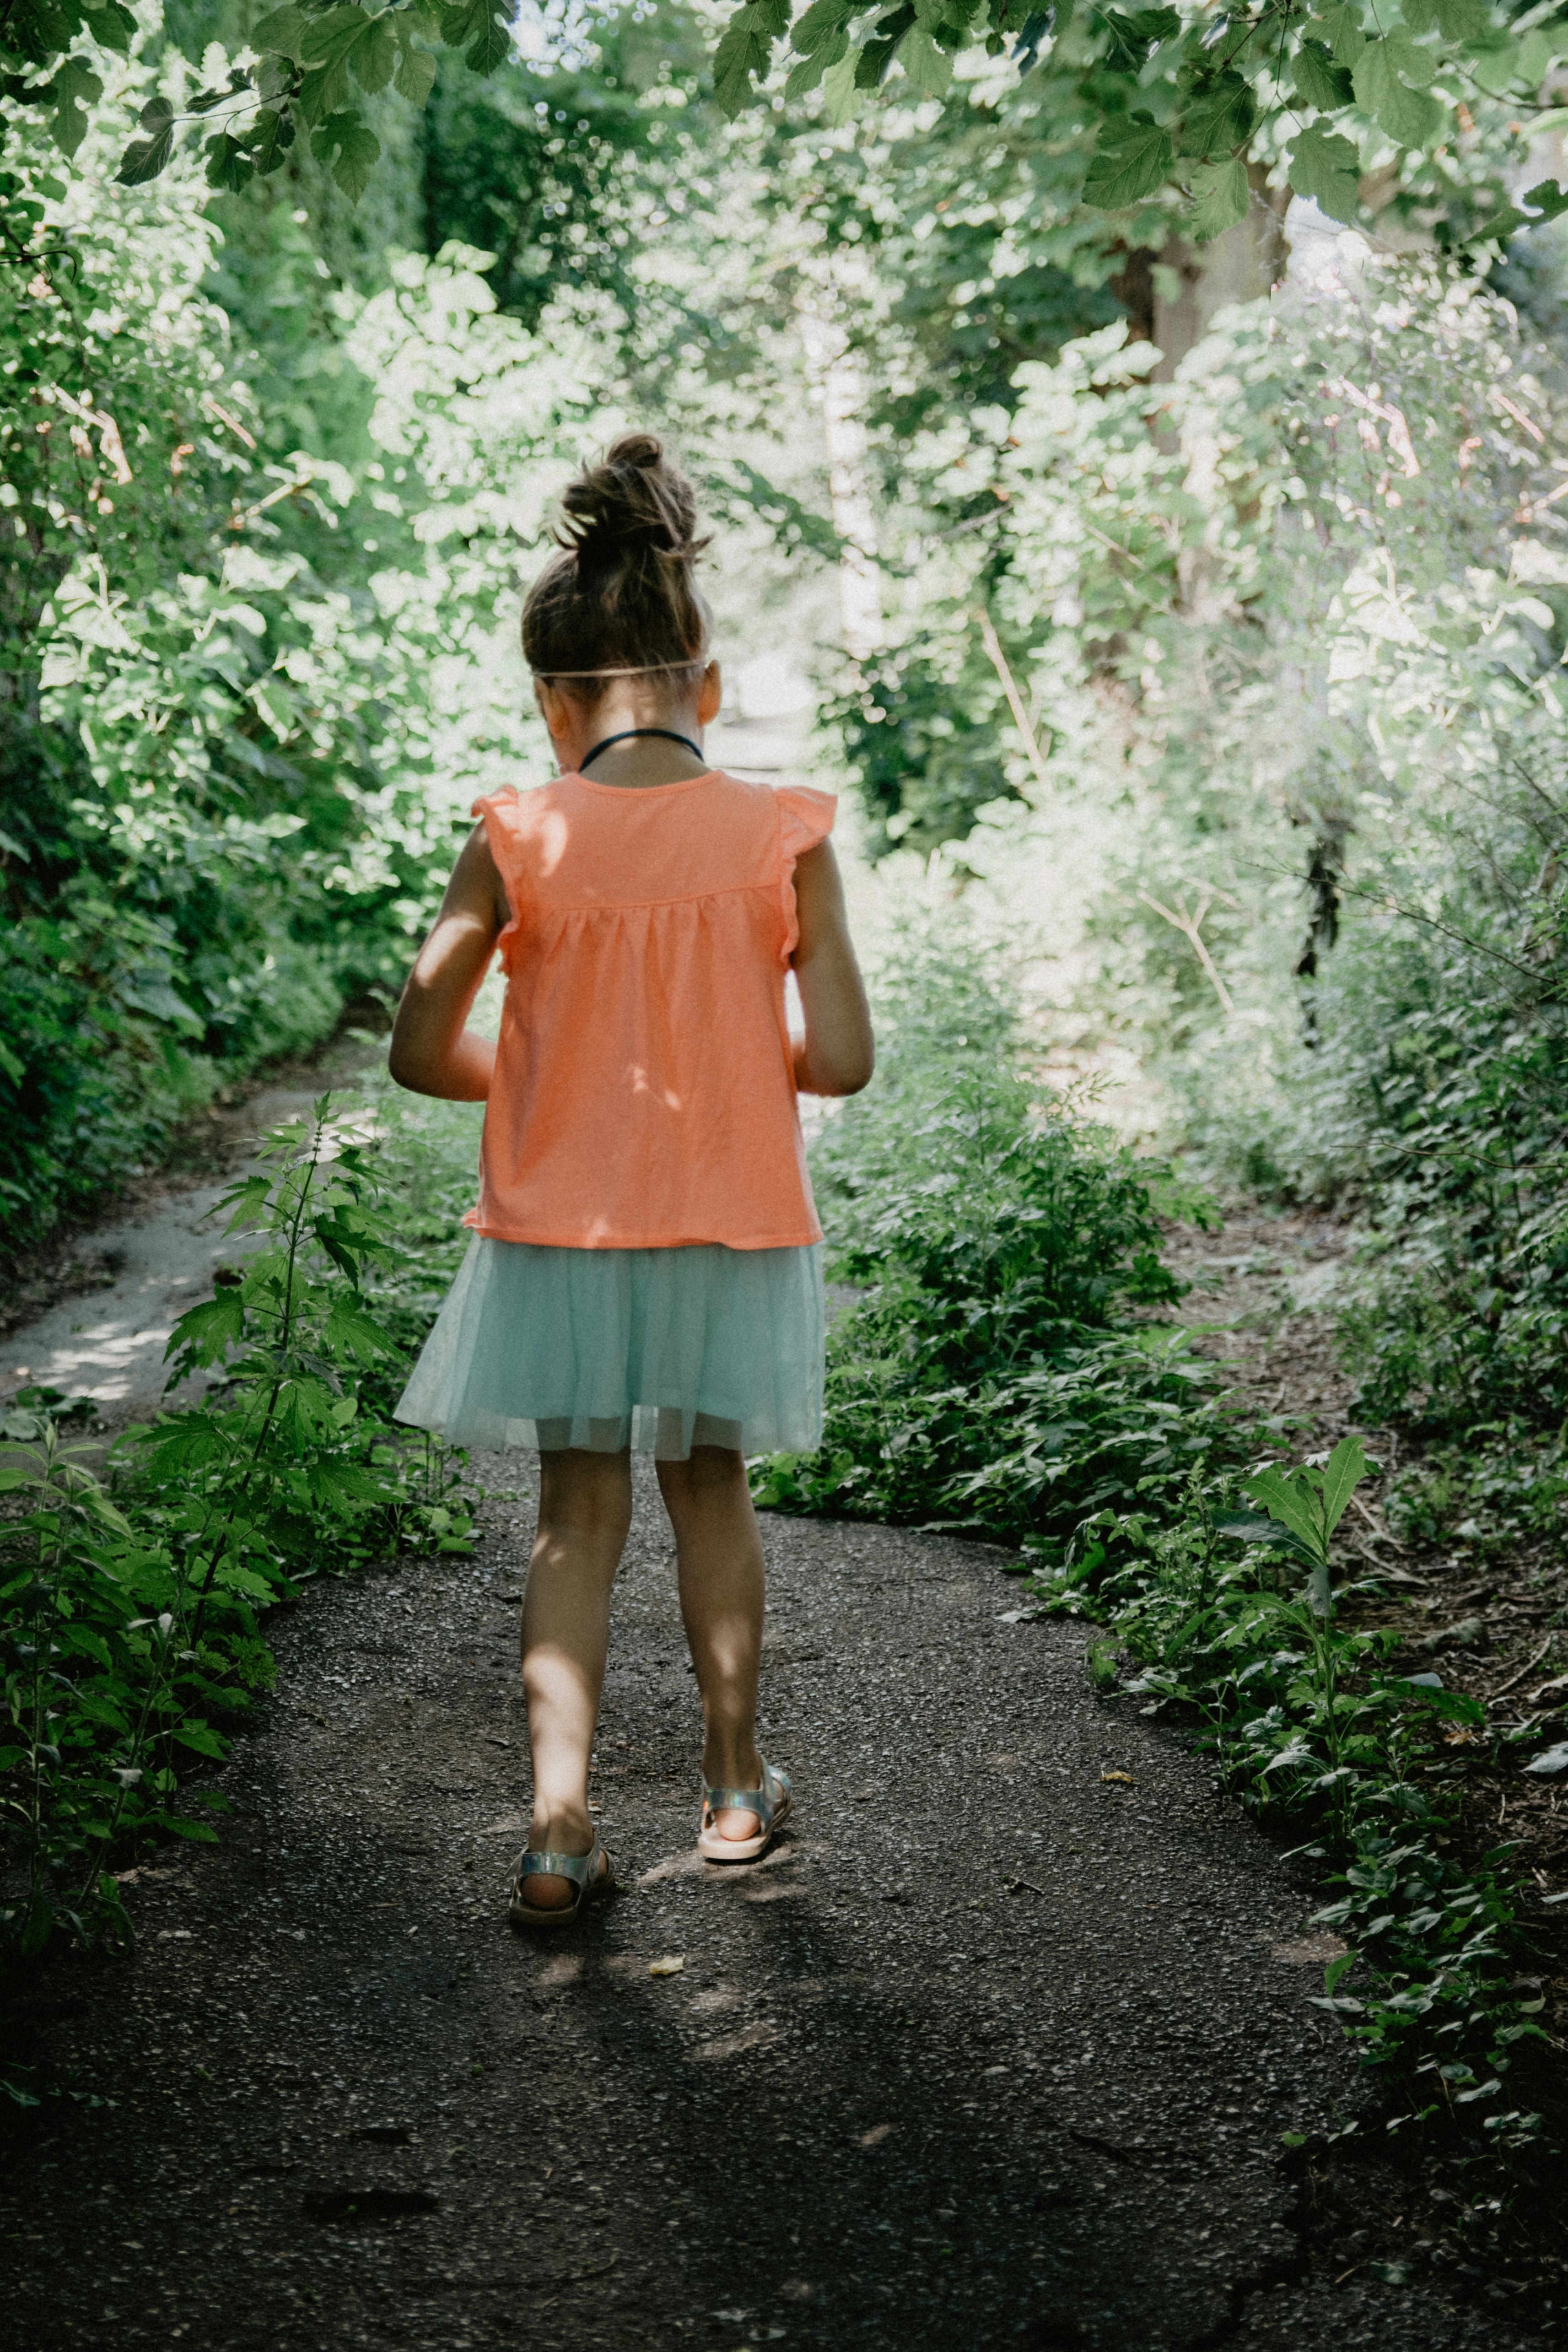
{"x": 992, "y": 2050}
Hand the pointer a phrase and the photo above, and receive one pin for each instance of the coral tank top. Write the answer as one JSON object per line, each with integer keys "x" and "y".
{"x": 643, "y": 1095}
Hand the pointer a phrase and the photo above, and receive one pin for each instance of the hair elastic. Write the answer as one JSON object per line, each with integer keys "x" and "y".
{"x": 642, "y": 669}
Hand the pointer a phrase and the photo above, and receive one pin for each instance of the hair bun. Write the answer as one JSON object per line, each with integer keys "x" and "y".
{"x": 621, "y": 593}
{"x": 635, "y": 500}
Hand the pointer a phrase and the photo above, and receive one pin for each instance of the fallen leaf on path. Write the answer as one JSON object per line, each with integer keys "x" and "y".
{"x": 1123, "y": 1780}
{"x": 670, "y": 1966}
{"x": 1550, "y": 1762}
{"x": 1307, "y": 1951}
{"x": 877, "y": 2134}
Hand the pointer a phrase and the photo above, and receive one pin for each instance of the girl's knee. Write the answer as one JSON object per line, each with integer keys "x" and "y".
{"x": 587, "y": 1493}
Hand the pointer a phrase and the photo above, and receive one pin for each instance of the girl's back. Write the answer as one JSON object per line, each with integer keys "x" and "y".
{"x": 643, "y": 1095}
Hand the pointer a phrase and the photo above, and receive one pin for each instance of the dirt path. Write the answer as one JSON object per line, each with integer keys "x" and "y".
{"x": 993, "y": 2051}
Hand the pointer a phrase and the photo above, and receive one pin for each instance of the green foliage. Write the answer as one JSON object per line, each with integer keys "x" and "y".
{"x": 130, "y": 1614}
{"x": 999, "y": 1371}
{"x": 1171, "y": 103}
{"x": 305, "y": 68}
{"x": 233, "y": 592}
{"x": 990, "y": 1375}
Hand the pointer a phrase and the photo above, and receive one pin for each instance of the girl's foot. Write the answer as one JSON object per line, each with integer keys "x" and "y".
{"x": 731, "y": 1821}
{"x": 537, "y": 1889}
{"x": 542, "y": 1890}
{"x": 734, "y": 1830}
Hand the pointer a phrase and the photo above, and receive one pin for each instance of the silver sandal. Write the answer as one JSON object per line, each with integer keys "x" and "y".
{"x": 770, "y": 1803}
{"x": 583, "y": 1871}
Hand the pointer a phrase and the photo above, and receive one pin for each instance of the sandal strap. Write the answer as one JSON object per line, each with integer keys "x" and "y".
{"x": 764, "y": 1801}
{"x": 577, "y": 1868}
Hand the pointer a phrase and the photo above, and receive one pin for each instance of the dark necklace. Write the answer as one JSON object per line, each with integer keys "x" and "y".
{"x": 626, "y": 737}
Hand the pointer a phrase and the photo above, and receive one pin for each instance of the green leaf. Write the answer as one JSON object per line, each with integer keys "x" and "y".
{"x": 929, "y": 68}
{"x": 284, "y": 31}
{"x": 330, "y": 44}
{"x": 1219, "y": 119}
{"x": 492, "y": 44}
{"x": 72, "y": 90}
{"x": 1336, "y": 1969}
{"x": 112, "y": 27}
{"x": 357, "y": 150}
{"x": 1292, "y": 1502}
{"x": 209, "y": 1328}
{"x": 1326, "y": 167}
{"x": 804, "y": 76}
{"x": 1406, "y": 114}
{"x": 1343, "y": 1473}
{"x": 145, "y": 158}
{"x": 841, "y": 93}
{"x": 1340, "y": 29}
{"x": 228, "y": 165}
{"x": 1419, "y": 15}
{"x": 271, "y": 137}
{"x": 202, "y": 1738}
{"x": 375, "y": 58}
{"x": 332, "y": 39}
{"x": 1134, "y": 38}
{"x": 1457, "y": 20}
{"x": 415, "y": 76}
{"x": 742, "y": 57}
{"x": 822, "y": 22}
{"x": 1132, "y": 159}
{"x": 1220, "y": 195}
{"x": 1319, "y": 81}
{"x": 197, "y": 1832}
{"x": 358, "y": 1335}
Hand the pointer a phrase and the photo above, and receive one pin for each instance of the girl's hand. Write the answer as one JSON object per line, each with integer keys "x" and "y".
{"x": 839, "y": 1052}
{"x": 431, "y": 1053}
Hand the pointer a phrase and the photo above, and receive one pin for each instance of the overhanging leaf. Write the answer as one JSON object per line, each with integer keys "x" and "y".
{"x": 1219, "y": 119}
{"x": 1340, "y": 29}
{"x": 1319, "y": 81}
{"x": 1133, "y": 158}
{"x": 416, "y": 77}
{"x": 357, "y": 149}
{"x": 283, "y": 30}
{"x": 742, "y": 57}
{"x": 1325, "y": 166}
{"x": 145, "y": 158}
{"x": 1406, "y": 114}
{"x": 72, "y": 90}
{"x": 929, "y": 68}
{"x": 841, "y": 89}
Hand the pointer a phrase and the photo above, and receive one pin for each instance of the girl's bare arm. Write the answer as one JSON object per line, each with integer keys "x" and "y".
{"x": 431, "y": 1053}
{"x": 839, "y": 1053}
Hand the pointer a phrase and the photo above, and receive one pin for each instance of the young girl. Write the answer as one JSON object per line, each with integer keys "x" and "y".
{"x": 646, "y": 1268}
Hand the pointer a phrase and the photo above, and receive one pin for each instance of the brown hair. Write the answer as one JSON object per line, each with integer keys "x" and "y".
{"x": 619, "y": 593}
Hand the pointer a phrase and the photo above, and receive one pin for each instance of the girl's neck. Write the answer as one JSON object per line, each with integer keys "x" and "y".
{"x": 642, "y": 761}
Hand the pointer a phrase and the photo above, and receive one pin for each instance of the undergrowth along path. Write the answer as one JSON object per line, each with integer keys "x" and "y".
{"x": 992, "y": 2050}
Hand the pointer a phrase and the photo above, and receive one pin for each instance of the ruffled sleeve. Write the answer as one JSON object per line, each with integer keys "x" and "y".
{"x": 805, "y": 817}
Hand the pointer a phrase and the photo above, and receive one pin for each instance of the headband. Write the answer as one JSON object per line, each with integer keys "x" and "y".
{"x": 642, "y": 669}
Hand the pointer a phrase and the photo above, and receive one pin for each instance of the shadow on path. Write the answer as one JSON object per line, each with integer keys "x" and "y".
{"x": 884, "y": 2102}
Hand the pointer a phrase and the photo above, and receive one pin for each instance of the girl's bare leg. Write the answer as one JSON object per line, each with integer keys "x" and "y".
{"x": 718, "y": 1554}
{"x": 585, "y": 1511}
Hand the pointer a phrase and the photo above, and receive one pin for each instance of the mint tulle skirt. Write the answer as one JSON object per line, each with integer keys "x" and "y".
{"x": 657, "y": 1348}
